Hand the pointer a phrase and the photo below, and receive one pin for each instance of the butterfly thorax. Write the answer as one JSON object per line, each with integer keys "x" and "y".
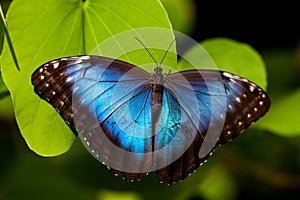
{"x": 158, "y": 78}
{"x": 157, "y": 86}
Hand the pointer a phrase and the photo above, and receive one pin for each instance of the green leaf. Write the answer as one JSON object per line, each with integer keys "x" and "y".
{"x": 284, "y": 116}
{"x": 229, "y": 55}
{"x": 49, "y": 29}
{"x": 182, "y": 14}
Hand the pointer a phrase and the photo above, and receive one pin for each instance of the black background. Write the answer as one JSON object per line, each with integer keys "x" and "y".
{"x": 258, "y": 23}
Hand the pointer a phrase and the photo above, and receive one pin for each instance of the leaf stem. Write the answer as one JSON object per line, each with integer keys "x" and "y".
{"x": 13, "y": 53}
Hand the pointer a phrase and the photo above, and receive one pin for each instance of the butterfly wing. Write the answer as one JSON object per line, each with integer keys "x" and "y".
{"x": 212, "y": 108}
{"x": 108, "y": 101}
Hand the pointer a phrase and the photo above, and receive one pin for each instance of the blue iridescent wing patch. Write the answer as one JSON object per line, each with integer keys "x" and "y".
{"x": 135, "y": 122}
{"x": 219, "y": 105}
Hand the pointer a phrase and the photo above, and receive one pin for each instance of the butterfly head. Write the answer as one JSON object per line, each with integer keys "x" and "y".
{"x": 158, "y": 70}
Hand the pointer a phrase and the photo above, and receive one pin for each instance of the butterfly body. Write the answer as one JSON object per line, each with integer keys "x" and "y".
{"x": 156, "y": 100}
{"x": 136, "y": 122}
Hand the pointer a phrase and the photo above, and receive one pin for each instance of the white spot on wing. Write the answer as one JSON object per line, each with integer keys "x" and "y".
{"x": 85, "y": 57}
{"x": 42, "y": 77}
{"x": 228, "y": 75}
{"x": 251, "y": 88}
{"x": 238, "y": 99}
{"x": 41, "y": 70}
{"x": 261, "y": 103}
{"x": 55, "y": 65}
{"x": 68, "y": 79}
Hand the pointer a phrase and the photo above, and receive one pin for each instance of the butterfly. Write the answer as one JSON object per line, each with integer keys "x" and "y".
{"x": 136, "y": 122}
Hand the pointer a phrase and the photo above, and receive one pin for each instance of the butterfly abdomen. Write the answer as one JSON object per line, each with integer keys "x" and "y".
{"x": 156, "y": 99}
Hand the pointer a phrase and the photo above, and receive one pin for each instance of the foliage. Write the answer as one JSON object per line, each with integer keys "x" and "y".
{"x": 76, "y": 28}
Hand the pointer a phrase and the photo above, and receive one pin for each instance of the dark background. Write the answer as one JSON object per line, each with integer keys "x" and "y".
{"x": 258, "y": 23}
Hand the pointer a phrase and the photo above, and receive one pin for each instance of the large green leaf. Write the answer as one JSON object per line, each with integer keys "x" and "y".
{"x": 238, "y": 58}
{"x": 229, "y": 55}
{"x": 47, "y": 29}
{"x": 182, "y": 14}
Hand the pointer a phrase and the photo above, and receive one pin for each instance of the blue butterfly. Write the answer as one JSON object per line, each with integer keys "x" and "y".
{"x": 136, "y": 122}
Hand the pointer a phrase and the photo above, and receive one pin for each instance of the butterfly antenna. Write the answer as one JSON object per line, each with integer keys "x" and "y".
{"x": 147, "y": 50}
{"x": 167, "y": 51}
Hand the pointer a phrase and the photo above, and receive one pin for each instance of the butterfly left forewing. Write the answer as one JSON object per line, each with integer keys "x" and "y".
{"x": 104, "y": 100}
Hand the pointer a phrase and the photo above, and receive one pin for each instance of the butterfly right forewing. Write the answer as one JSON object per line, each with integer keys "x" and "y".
{"x": 223, "y": 99}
